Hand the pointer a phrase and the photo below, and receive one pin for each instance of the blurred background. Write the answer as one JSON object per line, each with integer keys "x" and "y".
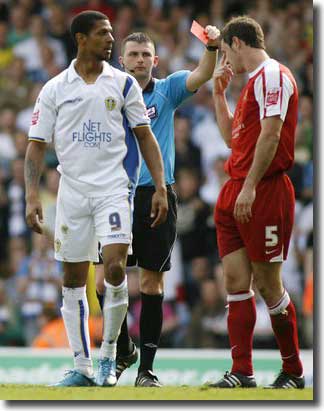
{"x": 35, "y": 45}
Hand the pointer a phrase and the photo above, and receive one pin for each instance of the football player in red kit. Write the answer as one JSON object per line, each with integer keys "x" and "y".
{"x": 254, "y": 213}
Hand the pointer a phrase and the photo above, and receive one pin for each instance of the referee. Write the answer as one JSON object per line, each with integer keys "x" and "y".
{"x": 152, "y": 247}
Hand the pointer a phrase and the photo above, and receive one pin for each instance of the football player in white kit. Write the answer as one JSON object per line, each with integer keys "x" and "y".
{"x": 96, "y": 117}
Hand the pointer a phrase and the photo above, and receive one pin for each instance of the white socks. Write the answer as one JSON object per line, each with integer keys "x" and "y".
{"x": 114, "y": 311}
{"x": 281, "y": 305}
{"x": 75, "y": 313}
{"x": 240, "y": 297}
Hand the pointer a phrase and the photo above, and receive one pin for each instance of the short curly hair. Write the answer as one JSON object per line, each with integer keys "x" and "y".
{"x": 85, "y": 21}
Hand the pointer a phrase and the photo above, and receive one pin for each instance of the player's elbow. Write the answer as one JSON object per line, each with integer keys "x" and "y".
{"x": 37, "y": 146}
{"x": 227, "y": 137}
{"x": 196, "y": 79}
{"x": 143, "y": 133}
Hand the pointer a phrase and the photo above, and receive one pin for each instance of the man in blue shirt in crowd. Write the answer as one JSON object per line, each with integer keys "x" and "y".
{"x": 152, "y": 247}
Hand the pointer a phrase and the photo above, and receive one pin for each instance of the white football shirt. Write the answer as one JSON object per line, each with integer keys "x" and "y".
{"x": 92, "y": 127}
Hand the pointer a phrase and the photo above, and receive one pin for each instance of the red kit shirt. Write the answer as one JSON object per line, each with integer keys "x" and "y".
{"x": 270, "y": 91}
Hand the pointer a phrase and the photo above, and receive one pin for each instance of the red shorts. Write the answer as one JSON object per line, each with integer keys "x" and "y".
{"x": 266, "y": 236}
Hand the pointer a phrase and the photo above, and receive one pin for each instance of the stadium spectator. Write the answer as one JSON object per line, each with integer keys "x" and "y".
{"x": 211, "y": 187}
{"x": 305, "y": 136}
{"x": 3, "y": 222}
{"x": 24, "y": 116}
{"x": 196, "y": 271}
{"x": 6, "y": 54}
{"x": 124, "y": 23}
{"x": 18, "y": 249}
{"x": 15, "y": 86}
{"x": 187, "y": 155}
{"x": 308, "y": 311}
{"x": 96, "y": 5}
{"x": 32, "y": 48}
{"x": 7, "y": 145}
{"x": 210, "y": 148}
{"x": 59, "y": 30}
{"x": 10, "y": 321}
{"x": 307, "y": 182}
{"x": 4, "y": 11}
{"x": 31, "y": 6}
{"x": 16, "y": 200}
{"x": 39, "y": 280}
{"x": 192, "y": 216}
{"x": 19, "y": 25}
{"x": 52, "y": 332}
{"x": 209, "y": 317}
{"x": 21, "y": 142}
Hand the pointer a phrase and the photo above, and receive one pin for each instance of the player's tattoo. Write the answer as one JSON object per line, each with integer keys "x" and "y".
{"x": 32, "y": 172}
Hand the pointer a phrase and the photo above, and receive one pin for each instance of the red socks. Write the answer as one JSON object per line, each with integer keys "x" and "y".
{"x": 284, "y": 325}
{"x": 240, "y": 322}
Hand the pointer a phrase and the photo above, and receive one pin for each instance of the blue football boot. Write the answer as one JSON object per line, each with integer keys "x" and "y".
{"x": 106, "y": 376}
{"x": 74, "y": 378}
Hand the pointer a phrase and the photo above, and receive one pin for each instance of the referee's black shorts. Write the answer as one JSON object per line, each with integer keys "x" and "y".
{"x": 152, "y": 246}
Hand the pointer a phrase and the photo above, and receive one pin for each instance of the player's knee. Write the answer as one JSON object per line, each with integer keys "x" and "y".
{"x": 269, "y": 285}
{"x": 73, "y": 280}
{"x": 235, "y": 283}
{"x": 114, "y": 272}
{"x": 151, "y": 284}
{"x": 271, "y": 295}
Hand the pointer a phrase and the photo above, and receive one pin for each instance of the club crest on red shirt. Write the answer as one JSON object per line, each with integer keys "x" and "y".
{"x": 272, "y": 97}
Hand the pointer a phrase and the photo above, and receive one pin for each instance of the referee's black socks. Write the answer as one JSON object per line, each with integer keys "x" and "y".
{"x": 150, "y": 329}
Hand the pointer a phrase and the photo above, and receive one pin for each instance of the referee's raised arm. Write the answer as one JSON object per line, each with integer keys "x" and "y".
{"x": 204, "y": 71}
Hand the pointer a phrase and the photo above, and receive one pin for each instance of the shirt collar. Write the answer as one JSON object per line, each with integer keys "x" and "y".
{"x": 149, "y": 86}
{"x": 73, "y": 75}
{"x": 263, "y": 64}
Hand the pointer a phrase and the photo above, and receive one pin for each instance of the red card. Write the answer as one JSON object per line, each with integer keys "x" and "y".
{"x": 199, "y": 32}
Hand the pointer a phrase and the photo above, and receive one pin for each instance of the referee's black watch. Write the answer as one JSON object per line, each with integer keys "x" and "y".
{"x": 211, "y": 48}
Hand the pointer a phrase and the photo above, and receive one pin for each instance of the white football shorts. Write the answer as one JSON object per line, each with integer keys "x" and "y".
{"x": 82, "y": 221}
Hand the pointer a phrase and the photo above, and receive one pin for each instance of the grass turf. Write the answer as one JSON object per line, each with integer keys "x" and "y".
{"x": 129, "y": 393}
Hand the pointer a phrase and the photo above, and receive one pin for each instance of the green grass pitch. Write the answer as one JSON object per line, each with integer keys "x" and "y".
{"x": 171, "y": 393}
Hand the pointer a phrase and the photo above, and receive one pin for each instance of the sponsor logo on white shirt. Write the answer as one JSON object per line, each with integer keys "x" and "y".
{"x": 91, "y": 136}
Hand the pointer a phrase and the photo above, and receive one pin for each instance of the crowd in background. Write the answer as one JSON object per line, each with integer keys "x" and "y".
{"x": 35, "y": 45}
